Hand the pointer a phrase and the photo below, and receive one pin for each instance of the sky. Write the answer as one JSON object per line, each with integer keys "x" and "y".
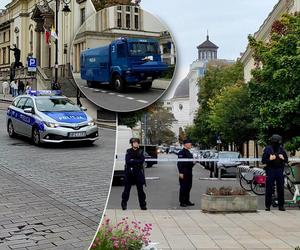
{"x": 228, "y": 22}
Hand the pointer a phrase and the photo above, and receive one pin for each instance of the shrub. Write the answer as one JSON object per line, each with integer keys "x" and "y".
{"x": 123, "y": 235}
{"x": 225, "y": 191}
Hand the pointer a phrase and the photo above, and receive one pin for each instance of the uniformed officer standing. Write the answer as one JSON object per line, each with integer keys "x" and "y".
{"x": 185, "y": 170}
{"x": 275, "y": 157}
{"x": 134, "y": 174}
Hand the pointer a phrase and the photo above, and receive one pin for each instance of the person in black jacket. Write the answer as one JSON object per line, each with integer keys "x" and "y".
{"x": 185, "y": 170}
{"x": 134, "y": 174}
{"x": 275, "y": 158}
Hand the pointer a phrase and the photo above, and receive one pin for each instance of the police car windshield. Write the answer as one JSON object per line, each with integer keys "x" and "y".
{"x": 54, "y": 104}
{"x": 142, "y": 49}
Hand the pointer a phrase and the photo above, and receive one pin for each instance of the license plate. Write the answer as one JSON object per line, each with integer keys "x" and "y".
{"x": 77, "y": 134}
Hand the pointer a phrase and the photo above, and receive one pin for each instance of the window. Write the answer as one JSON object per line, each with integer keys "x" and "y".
{"x": 128, "y": 21}
{"x": 180, "y": 106}
{"x": 142, "y": 49}
{"x": 82, "y": 15}
{"x": 4, "y": 38}
{"x": 21, "y": 103}
{"x": 136, "y": 10}
{"x": 121, "y": 50}
{"x": 119, "y": 20}
{"x": 119, "y": 7}
{"x": 4, "y": 55}
{"x": 31, "y": 41}
{"x": 17, "y": 41}
{"x": 128, "y": 8}
{"x": 28, "y": 104}
{"x": 8, "y": 47}
{"x": 15, "y": 102}
{"x": 136, "y": 22}
{"x": 56, "y": 105}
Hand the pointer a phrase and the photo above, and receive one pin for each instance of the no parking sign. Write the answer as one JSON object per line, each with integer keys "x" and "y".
{"x": 31, "y": 64}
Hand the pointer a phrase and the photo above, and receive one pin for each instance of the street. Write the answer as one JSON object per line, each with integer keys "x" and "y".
{"x": 163, "y": 193}
{"x": 133, "y": 99}
{"x": 52, "y": 197}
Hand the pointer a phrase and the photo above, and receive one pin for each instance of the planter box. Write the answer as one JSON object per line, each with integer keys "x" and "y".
{"x": 229, "y": 203}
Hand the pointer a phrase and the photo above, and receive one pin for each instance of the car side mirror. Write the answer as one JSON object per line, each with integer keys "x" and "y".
{"x": 83, "y": 108}
{"x": 28, "y": 110}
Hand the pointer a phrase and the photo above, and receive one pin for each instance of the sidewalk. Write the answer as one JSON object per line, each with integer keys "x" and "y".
{"x": 192, "y": 229}
{"x": 7, "y": 98}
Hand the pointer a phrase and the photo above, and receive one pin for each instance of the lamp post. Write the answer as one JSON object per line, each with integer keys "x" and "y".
{"x": 66, "y": 10}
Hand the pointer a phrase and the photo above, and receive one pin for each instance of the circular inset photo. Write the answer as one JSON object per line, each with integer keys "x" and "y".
{"x": 123, "y": 58}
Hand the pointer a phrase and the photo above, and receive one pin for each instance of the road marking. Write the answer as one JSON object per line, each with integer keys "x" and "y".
{"x": 111, "y": 93}
{"x": 121, "y": 96}
{"x": 152, "y": 178}
{"x": 103, "y": 91}
{"x": 142, "y": 101}
{"x": 129, "y": 98}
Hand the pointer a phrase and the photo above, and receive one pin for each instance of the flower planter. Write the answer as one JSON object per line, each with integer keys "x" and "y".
{"x": 228, "y": 203}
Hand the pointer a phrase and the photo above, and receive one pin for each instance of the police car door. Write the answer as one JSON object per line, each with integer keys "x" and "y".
{"x": 28, "y": 118}
{"x": 18, "y": 115}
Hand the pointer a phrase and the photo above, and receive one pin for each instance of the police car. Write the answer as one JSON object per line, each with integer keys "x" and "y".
{"x": 48, "y": 117}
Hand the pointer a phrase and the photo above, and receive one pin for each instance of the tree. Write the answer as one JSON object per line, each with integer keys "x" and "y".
{"x": 159, "y": 123}
{"x": 129, "y": 119}
{"x": 217, "y": 77}
{"x": 275, "y": 87}
{"x": 230, "y": 116}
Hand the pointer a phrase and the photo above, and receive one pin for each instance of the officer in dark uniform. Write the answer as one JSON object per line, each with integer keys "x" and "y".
{"x": 134, "y": 174}
{"x": 185, "y": 174}
{"x": 275, "y": 158}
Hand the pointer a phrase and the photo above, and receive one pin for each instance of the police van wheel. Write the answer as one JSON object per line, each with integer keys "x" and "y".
{"x": 146, "y": 85}
{"x": 10, "y": 129}
{"x": 90, "y": 84}
{"x": 36, "y": 137}
{"x": 119, "y": 83}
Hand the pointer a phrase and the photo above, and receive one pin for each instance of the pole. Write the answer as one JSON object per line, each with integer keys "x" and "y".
{"x": 56, "y": 41}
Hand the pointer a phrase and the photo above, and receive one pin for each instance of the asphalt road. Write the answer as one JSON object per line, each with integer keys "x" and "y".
{"x": 133, "y": 99}
{"x": 163, "y": 193}
{"x": 52, "y": 197}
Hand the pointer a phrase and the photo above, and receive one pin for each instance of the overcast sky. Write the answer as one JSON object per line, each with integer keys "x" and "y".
{"x": 228, "y": 21}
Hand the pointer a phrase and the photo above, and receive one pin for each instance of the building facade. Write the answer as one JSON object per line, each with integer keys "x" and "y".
{"x": 117, "y": 21}
{"x": 24, "y": 23}
{"x": 263, "y": 33}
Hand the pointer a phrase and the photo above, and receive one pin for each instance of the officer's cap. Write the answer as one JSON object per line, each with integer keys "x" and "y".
{"x": 132, "y": 140}
{"x": 276, "y": 139}
{"x": 187, "y": 141}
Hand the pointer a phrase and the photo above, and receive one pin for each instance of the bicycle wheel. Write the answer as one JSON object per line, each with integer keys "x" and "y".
{"x": 290, "y": 185}
{"x": 245, "y": 184}
{"x": 258, "y": 189}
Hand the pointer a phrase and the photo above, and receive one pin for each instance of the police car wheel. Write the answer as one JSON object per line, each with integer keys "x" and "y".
{"x": 10, "y": 129}
{"x": 119, "y": 83}
{"x": 35, "y": 136}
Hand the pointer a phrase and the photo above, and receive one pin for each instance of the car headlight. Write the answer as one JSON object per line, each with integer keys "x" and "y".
{"x": 92, "y": 123}
{"x": 51, "y": 124}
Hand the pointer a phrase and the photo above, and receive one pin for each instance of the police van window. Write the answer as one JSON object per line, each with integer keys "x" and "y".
{"x": 21, "y": 103}
{"x": 141, "y": 49}
{"x": 121, "y": 50}
{"x": 28, "y": 104}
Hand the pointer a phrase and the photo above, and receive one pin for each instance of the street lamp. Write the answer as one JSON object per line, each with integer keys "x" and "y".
{"x": 66, "y": 10}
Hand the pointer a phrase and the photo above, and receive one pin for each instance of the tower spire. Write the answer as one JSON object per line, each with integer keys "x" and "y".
{"x": 207, "y": 36}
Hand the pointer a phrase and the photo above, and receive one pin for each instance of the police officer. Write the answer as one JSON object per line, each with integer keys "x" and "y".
{"x": 185, "y": 170}
{"x": 274, "y": 157}
{"x": 134, "y": 174}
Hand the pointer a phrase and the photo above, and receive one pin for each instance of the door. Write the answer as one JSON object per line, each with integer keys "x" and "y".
{"x": 18, "y": 116}
{"x": 119, "y": 55}
{"x": 28, "y": 119}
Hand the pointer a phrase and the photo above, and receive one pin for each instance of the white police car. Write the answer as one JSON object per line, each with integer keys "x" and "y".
{"x": 46, "y": 116}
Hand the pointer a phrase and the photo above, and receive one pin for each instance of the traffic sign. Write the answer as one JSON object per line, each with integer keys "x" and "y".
{"x": 31, "y": 64}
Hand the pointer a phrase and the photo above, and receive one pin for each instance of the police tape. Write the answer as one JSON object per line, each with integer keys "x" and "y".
{"x": 293, "y": 159}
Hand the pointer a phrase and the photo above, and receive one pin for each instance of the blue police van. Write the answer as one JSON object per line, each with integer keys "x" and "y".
{"x": 123, "y": 62}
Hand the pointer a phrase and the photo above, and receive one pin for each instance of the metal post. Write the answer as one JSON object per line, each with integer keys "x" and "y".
{"x": 56, "y": 41}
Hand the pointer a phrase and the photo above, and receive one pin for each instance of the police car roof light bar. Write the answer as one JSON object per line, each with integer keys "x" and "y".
{"x": 44, "y": 92}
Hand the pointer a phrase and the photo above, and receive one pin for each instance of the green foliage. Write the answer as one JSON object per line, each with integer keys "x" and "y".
{"x": 129, "y": 119}
{"x": 169, "y": 73}
{"x": 123, "y": 236}
{"x": 275, "y": 87}
{"x": 223, "y": 100}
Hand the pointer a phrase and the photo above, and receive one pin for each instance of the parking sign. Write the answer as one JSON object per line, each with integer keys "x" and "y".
{"x": 31, "y": 64}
